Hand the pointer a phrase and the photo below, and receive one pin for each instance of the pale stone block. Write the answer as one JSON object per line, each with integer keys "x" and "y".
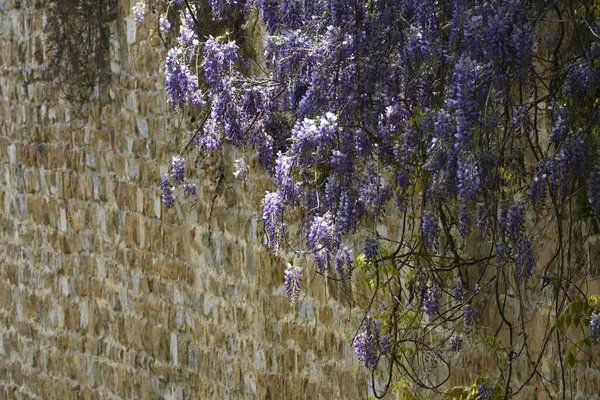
{"x": 142, "y": 125}
{"x": 173, "y": 348}
{"x": 142, "y": 233}
{"x": 90, "y": 159}
{"x": 43, "y": 183}
{"x": 83, "y": 313}
{"x": 131, "y": 30}
{"x": 157, "y": 205}
{"x": 63, "y": 220}
{"x": 101, "y": 271}
{"x": 12, "y": 154}
{"x": 259, "y": 359}
{"x": 177, "y": 296}
{"x": 140, "y": 200}
{"x": 132, "y": 102}
{"x": 250, "y": 382}
{"x": 60, "y": 316}
{"x": 135, "y": 280}
{"x": 64, "y": 285}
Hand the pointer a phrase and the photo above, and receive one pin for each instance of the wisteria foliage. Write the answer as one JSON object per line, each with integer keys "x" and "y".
{"x": 430, "y": 112}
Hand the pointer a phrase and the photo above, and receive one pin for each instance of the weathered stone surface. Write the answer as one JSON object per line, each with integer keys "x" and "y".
{"x": 103, "y": 292}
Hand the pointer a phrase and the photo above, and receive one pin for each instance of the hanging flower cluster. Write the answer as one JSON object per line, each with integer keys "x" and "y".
{"x": 429, "y": 110}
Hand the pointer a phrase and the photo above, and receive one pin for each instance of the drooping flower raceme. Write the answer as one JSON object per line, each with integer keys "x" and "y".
{"x": 178, "y": 169}
{"x": 431, "y": 230}
{"x": 431, "y": 302}
{"x": 293, "y": 279}
{"x": 485, "y": 392}
{"x": 167, "y": 192}
{"x": 139, "y": 11}
{"x": 343, "y": 263}
{"x": 456, "y": 342}
{"x": 471, "y": 318}
{"x": 165, "y": 25}
{"x": 524, "y": 261}
{"x": 594, "y": 189}
{"x": 595, "y": 328}
{"x": 180, "y": 83}
{"x": 219, "y": 61}
{"x": 458, "y": 290}
{"x": 516, "y": 221}
{"x": 366, "y": 345}
{"x": 272, "y": 215}
{"x": 322, "y": 241}
{"x": 361, "y": 108}
{"x": 189, "y": 188}
{"x": 241, "y": 170}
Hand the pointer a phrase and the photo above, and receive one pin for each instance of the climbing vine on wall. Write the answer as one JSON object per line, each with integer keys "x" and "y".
{"x": 473, "y": 123}
{"x": 78, "y": 34}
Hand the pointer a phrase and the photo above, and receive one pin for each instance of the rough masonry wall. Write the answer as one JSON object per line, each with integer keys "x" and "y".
{"x": 106, "y": 295}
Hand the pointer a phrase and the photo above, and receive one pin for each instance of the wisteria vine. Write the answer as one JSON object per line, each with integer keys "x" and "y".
{"x": 473, "y": 123}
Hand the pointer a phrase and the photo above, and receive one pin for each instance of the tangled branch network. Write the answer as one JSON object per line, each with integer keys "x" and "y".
{"x": 473, "y": 124}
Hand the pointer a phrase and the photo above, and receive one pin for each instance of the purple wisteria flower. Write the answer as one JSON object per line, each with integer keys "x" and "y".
{"x": 456, "y": 342}
{"x": 219, "y": 61}
{"x": 189, "y": 188}
{"x": 167, "y": 193}
{"x": 521, "y": 122}
{"x": 431, "y": 230}
{"x": 483, "y": 220}
{"x": 284, "y": 177}
{"x": 594, "y": 189}
{"x": 431, "y": 360}
{"x": 272, "y": 217}
{"x": 371, "y": 248}
{"x": 524, "y": 261}
{"x": 139, "y": 11}
{"x": 293, "y": 278}
{"x": 501, "y": 256}
{"x": 365, "y": 345}
{"x": 178, "y": 169}
{"x": 485, "y": 392}
{"x": 269, "y": 10}
{"x": 322, "y": 241}
{"x": 502, "y": 216}
{"x": 471, "y": 318}
{"x": 595, "y": 328}
{"x": 515, "y": 221}
{"x": 538, "y": 188}
{"x": 164, "y": 24}
{"x": 188, "y": 38}
{"x": 431, "y": 301}
{"x": 468, "y": 179}
{"x": 241, "y": 170}
{"x": 180, "y": 83}
{"x": 385, "y": 344}
{"x": 458, "y": 290}
{"x": 219, "y": 8}
{"x": 343, "y": 263}
{"x": 465, "y": 219}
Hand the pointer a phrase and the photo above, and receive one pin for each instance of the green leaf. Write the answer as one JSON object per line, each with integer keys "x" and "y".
{"x": 570, "y": 359}
{"x": 458, "y": 393}
{"x": 361, "y": 263}
{"x": 568, "y": 320}
{"x": 560, "y": 323}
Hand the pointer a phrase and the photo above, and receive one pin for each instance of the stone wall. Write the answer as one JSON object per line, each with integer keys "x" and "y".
{"x": 105, "y": 294}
